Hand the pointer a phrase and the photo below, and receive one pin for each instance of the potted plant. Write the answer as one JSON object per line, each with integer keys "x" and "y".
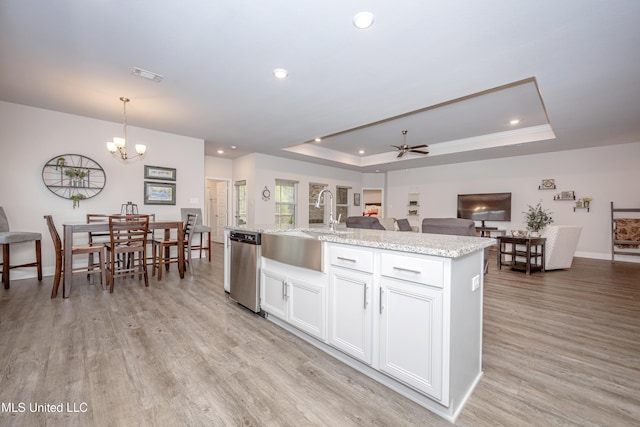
{"x": 76, "y": 199}
{"x": 537, "y": 218}
{"x": 76, "y": 176}
{"x": 586, "y": 201}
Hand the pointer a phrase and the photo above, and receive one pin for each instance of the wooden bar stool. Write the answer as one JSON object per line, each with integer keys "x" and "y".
{"x": 96, "y": 249}
{"x": 161, "y": 248}
{"x": 199, "y": 229}
{"x": 8, "y": 238}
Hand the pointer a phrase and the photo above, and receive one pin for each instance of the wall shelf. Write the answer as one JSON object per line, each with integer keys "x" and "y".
{"x": 413, "y": 204}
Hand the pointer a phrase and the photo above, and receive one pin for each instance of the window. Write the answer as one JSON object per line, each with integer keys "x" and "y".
{"x": 316, "y": 215}
{"x": 285, "y": 202}
{"x": 241, "y": 202}
{"x": 342, "y": 203}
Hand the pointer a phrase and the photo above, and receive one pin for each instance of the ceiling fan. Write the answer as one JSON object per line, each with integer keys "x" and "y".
{"x": 405, "y": 148}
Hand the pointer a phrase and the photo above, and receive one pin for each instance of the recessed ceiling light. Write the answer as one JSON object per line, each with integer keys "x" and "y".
{"x": 363, "y": 20}
{"x": 220, "y": 152}
{"x": 280, "y": 73}
{"x": 361, "y": 152}
{"x": 149, "y": 75}
{"x": 233, "y": 147}
{"x": 318, "y": 139}
{"x": 514, "y": 121}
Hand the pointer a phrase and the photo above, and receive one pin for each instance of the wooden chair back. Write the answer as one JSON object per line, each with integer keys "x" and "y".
{"x": 57, "y": 242}
{"x": 128, "y": 231}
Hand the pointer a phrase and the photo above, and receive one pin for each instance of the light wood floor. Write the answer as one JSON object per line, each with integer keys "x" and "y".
{"x": 560, "y": 349}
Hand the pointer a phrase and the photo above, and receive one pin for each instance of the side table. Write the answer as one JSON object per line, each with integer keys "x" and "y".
{"x": 527, "y": 253}
{"x": 487, "y": 232}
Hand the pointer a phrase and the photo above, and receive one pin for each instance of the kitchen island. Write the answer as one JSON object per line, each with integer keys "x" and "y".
{"x": 402, "y": 308}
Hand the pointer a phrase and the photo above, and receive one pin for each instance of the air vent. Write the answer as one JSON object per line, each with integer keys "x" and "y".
{"x": 146, "y": 74}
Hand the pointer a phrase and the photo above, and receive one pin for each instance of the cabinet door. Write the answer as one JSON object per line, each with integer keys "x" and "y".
{"x": 350, "y": 313}
{"x": 306, "y": 306}
{"x": 272, "y": 294}
{"x": 411, "y": 334}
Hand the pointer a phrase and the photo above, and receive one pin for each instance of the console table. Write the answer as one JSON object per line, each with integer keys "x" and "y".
{"x": 527, "y": 253}
{"x": 486, "y": 231}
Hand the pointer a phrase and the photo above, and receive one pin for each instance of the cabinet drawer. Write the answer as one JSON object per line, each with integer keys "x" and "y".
{"x": 355, "y": 259}
{"x": 413, "y": 269}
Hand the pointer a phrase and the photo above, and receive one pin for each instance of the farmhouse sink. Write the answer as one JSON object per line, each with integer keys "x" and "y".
{"x": 298, "y": 248}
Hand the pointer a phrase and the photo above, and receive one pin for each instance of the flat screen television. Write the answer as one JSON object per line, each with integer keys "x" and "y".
{"x": 485, "y": 207}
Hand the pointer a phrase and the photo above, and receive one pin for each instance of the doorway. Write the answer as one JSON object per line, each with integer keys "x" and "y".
{"x": 217, "y": 207}
{"x": 372, "y": 199}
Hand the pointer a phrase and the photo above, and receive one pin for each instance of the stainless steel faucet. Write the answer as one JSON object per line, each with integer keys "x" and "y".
{"x": 332, "y": 222}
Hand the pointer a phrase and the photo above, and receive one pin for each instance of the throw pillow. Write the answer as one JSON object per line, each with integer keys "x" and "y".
{"x": 403, "y": 224}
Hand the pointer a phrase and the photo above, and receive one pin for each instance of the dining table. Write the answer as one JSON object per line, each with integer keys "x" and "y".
{"x": 71, "y": 228}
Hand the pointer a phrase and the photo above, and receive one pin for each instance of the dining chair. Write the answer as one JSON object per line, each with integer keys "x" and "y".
{"x": 161, "y": 247}
{"x": 8, "y": 238}
{"x": 97, "y": 237}
{"x": 128, "y": 241}
{"x": 91, "y": 268}
{"x": 199, "y": 229}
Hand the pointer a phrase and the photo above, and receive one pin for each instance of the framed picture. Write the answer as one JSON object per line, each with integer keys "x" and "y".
{"x": 356, "y": 199}
{"x": 160, "y": 173}
{"x": 159, "y": 193}
{"x": 547, "y": 184}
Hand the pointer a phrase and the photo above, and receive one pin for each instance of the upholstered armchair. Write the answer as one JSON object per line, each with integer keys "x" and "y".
{"x": 561, "y": 244}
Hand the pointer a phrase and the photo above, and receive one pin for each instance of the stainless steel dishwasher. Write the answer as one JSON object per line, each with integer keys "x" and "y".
{"x": 245, "y": 269}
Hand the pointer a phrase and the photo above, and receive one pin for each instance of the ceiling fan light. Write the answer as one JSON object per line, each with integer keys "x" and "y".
{"x": 363, "y": 20}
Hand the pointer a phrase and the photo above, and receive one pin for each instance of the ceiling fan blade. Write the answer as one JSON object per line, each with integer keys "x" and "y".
{"x": 400, "y": 154}
{"x": 398, "y": 147}
{"x": 419, "y": 146}
{"x": 419, "y": 151}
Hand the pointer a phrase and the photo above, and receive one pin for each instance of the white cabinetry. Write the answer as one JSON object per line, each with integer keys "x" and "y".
{"x": 411, "y": 321}
{"x": 294, "y": 295}
{"x": 393, "y": 317}
{"x": 350, "y": 312}
{"x": 411, "y": 334}
{"x": 351, "y": 302}
{"x": 273, "y": 293}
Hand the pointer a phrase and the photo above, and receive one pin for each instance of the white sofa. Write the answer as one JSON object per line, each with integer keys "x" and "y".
{"x": 560, "y": 246}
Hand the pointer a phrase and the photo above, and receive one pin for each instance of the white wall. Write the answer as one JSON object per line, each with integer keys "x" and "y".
{"x": 261, "y": 170}
{"x": 32, "y": 136}
{"x": 218, "y": 168}
{"x": 605, "y": 173}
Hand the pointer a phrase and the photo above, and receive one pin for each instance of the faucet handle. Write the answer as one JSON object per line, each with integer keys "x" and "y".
{"x": 338, "y": 220}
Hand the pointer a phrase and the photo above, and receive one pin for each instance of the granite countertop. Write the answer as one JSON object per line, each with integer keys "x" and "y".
{"x": 443, "y": 245}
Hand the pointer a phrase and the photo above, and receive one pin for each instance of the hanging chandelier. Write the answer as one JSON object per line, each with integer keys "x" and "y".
{"x": 118, "y": 147}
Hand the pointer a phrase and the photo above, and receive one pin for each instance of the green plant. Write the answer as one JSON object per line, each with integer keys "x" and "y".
{"x": 537, "y": 218}
{"x": 75, "y": 173}
{"x": 76, "y": 199}
{"x": 60, "y": 162}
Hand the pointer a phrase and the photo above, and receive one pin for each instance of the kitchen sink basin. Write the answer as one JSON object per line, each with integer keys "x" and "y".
{"x": 298, "y": 248}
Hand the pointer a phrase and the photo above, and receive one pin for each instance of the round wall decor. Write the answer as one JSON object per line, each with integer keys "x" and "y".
{"x": 74, "y": 177}
{"x": 266, "y": 194}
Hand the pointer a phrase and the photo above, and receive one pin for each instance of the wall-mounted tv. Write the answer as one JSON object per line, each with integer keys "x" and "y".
{"x": 485, "y": 207}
